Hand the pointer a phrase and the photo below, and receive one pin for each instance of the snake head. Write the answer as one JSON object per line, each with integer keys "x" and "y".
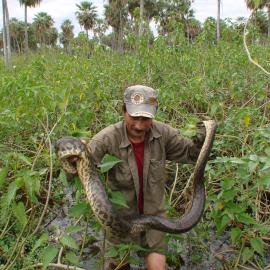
{"x": 67, "y": 149}
{"x": 69, "y": 146}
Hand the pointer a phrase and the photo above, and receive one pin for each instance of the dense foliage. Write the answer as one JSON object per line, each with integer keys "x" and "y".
{"x": 56, "y": 94}
{"x": 123, "y": 23}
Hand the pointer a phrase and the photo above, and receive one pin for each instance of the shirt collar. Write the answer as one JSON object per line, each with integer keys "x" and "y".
{"x": 153, "y": 133}
{"x": 125, "y": 141}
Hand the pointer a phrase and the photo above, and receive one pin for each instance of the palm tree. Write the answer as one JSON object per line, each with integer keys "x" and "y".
{"x": 218, "y": 20}
{"x": 141, "y": 17}
{"x": 147, "y": 10}
{"x": 42, "y": 25}
{"x": 266, "y": 4}
{"x": 173, "y": 13}
{"x": 86, "y": 15}
{"x": 194, "y": 29}
{"x": 100, "y": 28}
{"x": 27, "y": 3}
{"x": 51, "y": 36}
{"x": 67, "y": 34}
{"x": 260, "y": 4}
{"x": 6, "y": 34}
{"x": 116, "y": 13}
{"x": 255, "y": 4}
{"x": 16, "y": 34}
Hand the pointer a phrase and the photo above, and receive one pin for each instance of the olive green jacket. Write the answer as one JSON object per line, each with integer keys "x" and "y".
{"x": 161, "y": 144}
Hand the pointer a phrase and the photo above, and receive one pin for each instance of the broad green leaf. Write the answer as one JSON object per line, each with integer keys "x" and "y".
{"x": 213, "y": 109}
{"x": 228, "y": 183}
{"x": 48, "y": 254}
{"x": 63, "y": 178}
{"x": 221, "y": 160}
{"x": 253, "y": 158}
{"x": 229, "y": 195}
{"x": 108, "y": 162}
{"x": 267, "y": 151}
{"x": 80, "y": 133}
{"x": 43, "y": 171}
{"x": 223, "y": 223}
{"x": 79, "y": 209}
{"x": 264, "y": 181}
{"x": 118, "y": 199}
{"x": 235, "y": 235}
{"x": 36, "y": 182}
{"x": 245, "y": 218}
{"x": 243, "y": 175}
{"x": 77, "y": 182}
{"x": 257, "y": 244}
{"x": 73, "y": 229}
{"x": 266, "y": 164}
{"x": 234, "y": 208}
{"x": 24, "y": 159}
{"x": 133, "y": 260}
{"x": 252, "y": 166}
{"x": 262, "y": 228}
{"x": 32, "y": 184}
{"x": 78, "y": 195}
{"x": 43, "y": 238}
{"x": 3, "y": 175}
{"x": 196, "y": 258}
{"x": 235, "y": 160}
{"x": 68, "y": 241}
{"x": 12, "y": 188}
{"x": 247, "y": 254}
{"x": 72, "y": 258}
{"x": 112, "y": 252}
{"x": 19, "y": 213}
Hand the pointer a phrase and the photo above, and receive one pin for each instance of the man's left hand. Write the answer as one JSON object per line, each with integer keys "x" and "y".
{"x": 200, "y": 133}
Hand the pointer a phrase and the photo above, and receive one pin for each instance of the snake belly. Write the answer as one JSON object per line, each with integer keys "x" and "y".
{"x": 67, "y": 147}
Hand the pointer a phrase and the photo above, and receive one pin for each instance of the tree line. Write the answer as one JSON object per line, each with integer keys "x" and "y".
{"x": 124, "y": 22}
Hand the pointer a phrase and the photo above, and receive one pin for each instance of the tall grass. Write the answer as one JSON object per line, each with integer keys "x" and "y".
{"x": 64, "y": 94}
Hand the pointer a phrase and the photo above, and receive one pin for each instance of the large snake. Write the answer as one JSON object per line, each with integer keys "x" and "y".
{"x": 101, "y": 206}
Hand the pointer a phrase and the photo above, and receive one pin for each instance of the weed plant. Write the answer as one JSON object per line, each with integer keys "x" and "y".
{"x": 54, "y": 94}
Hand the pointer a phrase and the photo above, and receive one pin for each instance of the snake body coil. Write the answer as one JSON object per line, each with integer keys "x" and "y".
{"x": 101, "y": 206}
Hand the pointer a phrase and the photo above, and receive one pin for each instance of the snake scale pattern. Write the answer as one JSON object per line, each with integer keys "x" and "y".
{"x": 101, "y": 206}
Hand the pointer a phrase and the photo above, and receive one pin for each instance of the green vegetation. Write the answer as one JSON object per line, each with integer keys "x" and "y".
{"x": 56, "y": 94}
{"x": 78, "y": 90}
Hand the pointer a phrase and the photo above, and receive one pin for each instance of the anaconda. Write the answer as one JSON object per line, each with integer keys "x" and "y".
{"x": 101, "y": 206}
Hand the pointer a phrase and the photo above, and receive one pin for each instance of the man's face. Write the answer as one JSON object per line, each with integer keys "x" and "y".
{"x": 137, "y": 127}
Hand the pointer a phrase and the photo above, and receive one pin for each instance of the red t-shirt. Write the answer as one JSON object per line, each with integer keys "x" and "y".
{"x": 138, "y": 149}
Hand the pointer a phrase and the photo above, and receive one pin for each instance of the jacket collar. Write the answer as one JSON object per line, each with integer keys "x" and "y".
{"x": 153, "y": 133}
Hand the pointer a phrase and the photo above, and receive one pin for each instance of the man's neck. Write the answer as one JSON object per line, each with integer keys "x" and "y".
{"x": 136, "y": 139}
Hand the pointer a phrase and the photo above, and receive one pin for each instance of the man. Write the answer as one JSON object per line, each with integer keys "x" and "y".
{"x": 143, "y": 145}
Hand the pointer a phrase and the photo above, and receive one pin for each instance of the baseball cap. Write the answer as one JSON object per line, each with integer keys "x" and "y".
{"x": 141, "y": 100}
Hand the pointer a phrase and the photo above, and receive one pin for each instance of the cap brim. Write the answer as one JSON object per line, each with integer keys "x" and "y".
{"x": 145, "y": 110}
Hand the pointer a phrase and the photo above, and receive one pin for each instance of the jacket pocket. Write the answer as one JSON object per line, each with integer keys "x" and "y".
{"x": 156, "y": 171}
{"x": 155, "y": 188}
{"x": 122, "y": 177}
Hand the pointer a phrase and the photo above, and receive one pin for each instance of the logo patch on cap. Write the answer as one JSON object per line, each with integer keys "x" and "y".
{"x": 137, "y": 98}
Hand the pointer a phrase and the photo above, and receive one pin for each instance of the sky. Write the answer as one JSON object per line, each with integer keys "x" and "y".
{"x": 61, "y": 10}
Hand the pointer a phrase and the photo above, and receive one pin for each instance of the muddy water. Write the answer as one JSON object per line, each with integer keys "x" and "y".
{"x": 212, "y": 253}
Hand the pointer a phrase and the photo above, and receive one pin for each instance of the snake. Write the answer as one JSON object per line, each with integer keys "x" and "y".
{"x": 102, "y": 208}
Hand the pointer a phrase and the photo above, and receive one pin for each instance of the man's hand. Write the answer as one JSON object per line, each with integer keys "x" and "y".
{"x": 200, "y": 134}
